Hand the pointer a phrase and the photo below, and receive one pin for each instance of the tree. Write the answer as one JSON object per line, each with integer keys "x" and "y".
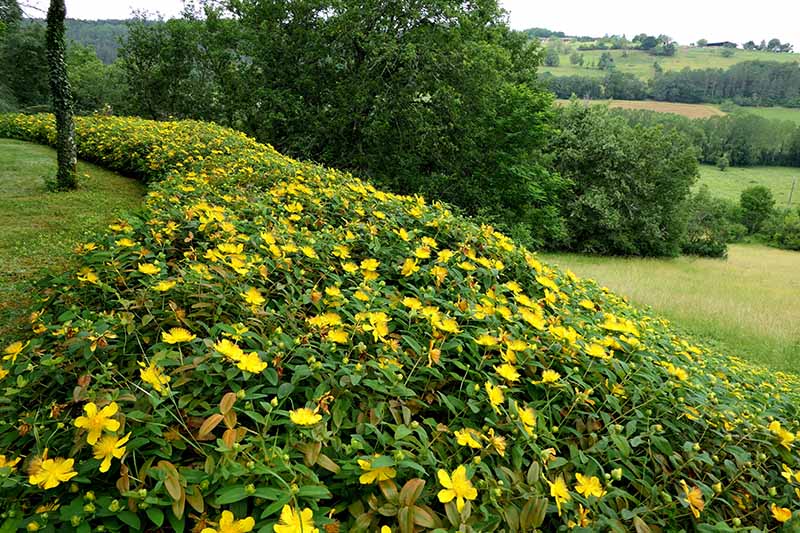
{"x": 629, "y": 182}
{"x": 750, "y": 45}
{"x": 648, "y": 43}
{"x": 774, "y": 45}
{"x": 702, "y": 42}
{"x": 576, "y": 59}
{"x": 722, "y": 162}
{"x": 757, "y": 204}
{"x": 62, "y": 97}
{"x": 551, "y": 57}
{"x": 606, "y": 61}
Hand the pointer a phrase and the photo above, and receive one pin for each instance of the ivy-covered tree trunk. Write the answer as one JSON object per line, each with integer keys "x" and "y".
{"x": 62, "y": 96}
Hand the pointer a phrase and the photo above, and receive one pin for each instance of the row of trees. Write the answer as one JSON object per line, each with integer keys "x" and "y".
{"x": 750, "y": 83}
{"x": 738, "y": 139}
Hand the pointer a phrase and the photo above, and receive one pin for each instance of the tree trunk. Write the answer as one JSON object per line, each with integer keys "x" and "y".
{"x": 62, "y": 97}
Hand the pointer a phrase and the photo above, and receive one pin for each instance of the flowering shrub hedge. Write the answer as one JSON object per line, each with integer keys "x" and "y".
{"x": 273, "y": 345}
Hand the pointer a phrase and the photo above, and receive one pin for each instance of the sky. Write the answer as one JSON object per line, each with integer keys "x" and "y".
{"x": 684, "y": 20}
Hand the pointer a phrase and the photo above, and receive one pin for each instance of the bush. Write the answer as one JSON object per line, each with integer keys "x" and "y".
{"x": 783, "y": 230}
{"x": 268, "y": 340}
{"x": 757, "y": 204}
{"x": 630, "y": 182}
{"x": 708, "y": 229}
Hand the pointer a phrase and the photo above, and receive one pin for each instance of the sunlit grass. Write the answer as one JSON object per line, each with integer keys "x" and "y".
{"x": 730, "y": 183}
{"x": 40, "y": 228}
{"x": 747, "y": 304}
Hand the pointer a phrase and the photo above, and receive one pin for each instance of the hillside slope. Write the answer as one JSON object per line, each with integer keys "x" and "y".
{"x": 279, "y": 343}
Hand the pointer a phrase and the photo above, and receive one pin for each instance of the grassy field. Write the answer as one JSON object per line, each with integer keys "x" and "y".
{"x": 39, "y": 228}
{"x": 687, "y": 110}
{"x": 734, "y": 180}
{"x": 641, "y": 63}
{"x": 746, "y": 305}
{"x": 791, "y": 114}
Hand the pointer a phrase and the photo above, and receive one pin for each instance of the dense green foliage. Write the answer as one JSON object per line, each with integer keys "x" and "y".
{"x": 630, "y": 182}
{"x": 742, "y": 138}
{"x": 711, "y": 225}
{"x": 782, "y": 229}
{"x": 435, "y": 97}
{"x": 428, "y": 353}
{"x": 757, "y": 204}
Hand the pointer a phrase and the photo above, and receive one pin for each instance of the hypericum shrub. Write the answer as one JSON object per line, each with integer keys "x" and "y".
{"x": 271, "y": 345}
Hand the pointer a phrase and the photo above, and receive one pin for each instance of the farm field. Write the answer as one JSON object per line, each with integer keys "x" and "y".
{"x": 687, "y": 110}
{"x": 39, "y": 228}
{"x": 773, "y": 113}
{"x": 747, "y": 304}
{"x": 641, "y": 63}
{"x": 730, "y": 183}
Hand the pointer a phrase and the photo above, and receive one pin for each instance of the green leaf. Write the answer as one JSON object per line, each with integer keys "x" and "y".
{"x": 130, "y": 519}
{"x": 155, "y": 515}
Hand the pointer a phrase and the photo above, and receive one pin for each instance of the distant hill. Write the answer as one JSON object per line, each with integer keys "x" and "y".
{"x": 105, "y": 36}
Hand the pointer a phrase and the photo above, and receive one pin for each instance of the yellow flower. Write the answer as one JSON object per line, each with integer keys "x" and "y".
{"x": 293, "y": 521}
{"x": 694, "y": 498}
{"x": 589, "y": 486}
{"x": 507, "y": 372}
{"x": 253, "y": 297}
{"x": 596, "y": 350}
{"x": 550, "y": 376}
{"x": 456, "y": 486}
{"x": 163, "y": 286}
{"x": 583, "y": 518}
{"x": 350, "y": 268}
{"x": 468, "y": 437}
{"x": 109, "y": 446}
{"x": 412, "y": 303}
{"x": 10, "y": 464}
{"x": 13, "y": 350}
{"x": 177, "y": 335}
{"x": 228, "y": 524}
{"x": 125, "y": 242}
{"x": 304, "y": 417}
{"x": 87, "y": 275}
{"x": 378, "y": 324}
{"x": 339, "y": 336}
{"x": 51, "y": 472}
{"x": 786, "y": 437}
{"x": 154, "y": 376}
{"x": 149, "y": 268}
{"x": 498, "y": 442}
{"x": 251, "y": 363}
{"x": 587, "y": 304}
{"x": 528, "y": 418}
{"x": 374, "y": 475}
{"x": 559, "y": 491}
{"x": 95, "y": 422}
{"x": 496, "y": 396}
{"x": 229, "y": 349}
{"x": 370, "y": 265}
{"x": 781, "y": 514}
{"x": 409, "y": 267}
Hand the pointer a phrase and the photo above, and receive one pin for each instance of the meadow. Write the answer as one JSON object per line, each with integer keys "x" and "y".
{"x": 687, "y": 110}
{"x": 747, "y": 304}
{"x": 39, "y": 228}
{"x": 730, "y": 183}
{"x": 641, "y": 63}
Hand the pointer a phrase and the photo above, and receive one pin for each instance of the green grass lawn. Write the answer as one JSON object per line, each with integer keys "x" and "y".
{"x": 747, "y": 305}
{"x": 730, "y": 183}
{"x": 40, "y": 228}
{"x": 641, "y": 63}
{"x": 791, "y": 114}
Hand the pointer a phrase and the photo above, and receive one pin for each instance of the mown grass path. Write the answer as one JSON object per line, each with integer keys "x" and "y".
{"x": 748, "y": 304}
{"x": 39, "y": 229}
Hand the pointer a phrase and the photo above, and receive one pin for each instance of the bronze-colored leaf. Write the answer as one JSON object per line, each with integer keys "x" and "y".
{"x": 208, "y": 426}
{"x": 226, "y": 403}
